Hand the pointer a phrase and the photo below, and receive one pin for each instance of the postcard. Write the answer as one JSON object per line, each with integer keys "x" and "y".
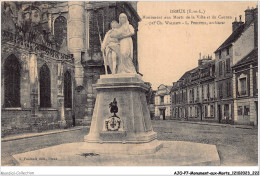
{"x": 129, "y": 83}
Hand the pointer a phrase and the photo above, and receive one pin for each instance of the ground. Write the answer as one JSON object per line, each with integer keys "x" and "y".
{"x": 236, "y": 146}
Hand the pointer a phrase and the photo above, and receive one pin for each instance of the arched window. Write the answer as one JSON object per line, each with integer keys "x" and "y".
{"x": 60, "y": 30}
{"x": 67, "y": 90}
{"x": 12, "y": 74}
{"x": 45, "y": 87}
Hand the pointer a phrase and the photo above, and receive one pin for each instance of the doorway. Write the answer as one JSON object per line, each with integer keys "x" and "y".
{"x": 200, "y": 112}
{"x": 256, "y": 109}
{"x": 219, "y": 114}
{"x": 162, "y": 114}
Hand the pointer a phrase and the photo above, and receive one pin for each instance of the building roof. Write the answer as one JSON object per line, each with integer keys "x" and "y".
{"x": 186, "y": 74}
{"x": 207, "y": 64}
{"x": 167, "y": 89}
{"x": 232, "y": 38}
{"x": 235, "y": 35}
{"x": 167, "y": 86}
{"x": 251, "y": 57}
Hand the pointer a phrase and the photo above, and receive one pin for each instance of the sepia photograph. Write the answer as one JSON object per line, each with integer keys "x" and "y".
{"x": 129, "y": 83}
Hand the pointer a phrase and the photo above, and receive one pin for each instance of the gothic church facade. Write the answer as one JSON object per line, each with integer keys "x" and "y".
{"x": 50, "y": 59}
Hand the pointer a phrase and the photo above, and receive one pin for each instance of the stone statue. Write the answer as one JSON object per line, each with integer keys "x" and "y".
{"x": 111, "y": 48}
{"x": 118, "y": 46}
{"x": 129, "y": 130}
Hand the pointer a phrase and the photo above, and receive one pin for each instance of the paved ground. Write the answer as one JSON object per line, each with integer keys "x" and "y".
{"x": 28, "y": 144}
{"x": 235, "y": 146}
{"x": 173, "y": 153}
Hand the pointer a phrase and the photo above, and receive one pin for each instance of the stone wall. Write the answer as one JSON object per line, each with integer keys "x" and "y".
{"x": 15, "y": 121}
{"x": 246, "y": 39}
{"x": 21, "y": 119}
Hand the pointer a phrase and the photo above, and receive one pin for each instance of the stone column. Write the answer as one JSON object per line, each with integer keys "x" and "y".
{"x": 251, "y": 84}
{"x": 33, "y": 71}
{"x": 252, "y": 112}
{"x": 76, "y": 36}
{"x": 235, "y": 96}
{"x": 90, "y": 100}
{"x": 60, "y": 84}
{"x": 222, "y": 110}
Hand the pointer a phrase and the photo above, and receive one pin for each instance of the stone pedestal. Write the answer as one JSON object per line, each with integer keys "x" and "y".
{"x": 135, "y": 127}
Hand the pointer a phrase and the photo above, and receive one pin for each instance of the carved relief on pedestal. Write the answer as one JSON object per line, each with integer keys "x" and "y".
{"x": 113, "y": 123}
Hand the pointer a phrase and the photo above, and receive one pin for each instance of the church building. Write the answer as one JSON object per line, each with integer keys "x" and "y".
{"x": 50, "y": 59}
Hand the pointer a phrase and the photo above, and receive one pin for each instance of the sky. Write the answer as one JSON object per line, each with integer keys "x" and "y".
{"x": 166, "y": 52}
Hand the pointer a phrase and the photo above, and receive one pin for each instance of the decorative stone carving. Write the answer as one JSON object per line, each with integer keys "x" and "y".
{"x": 113, "y": 123}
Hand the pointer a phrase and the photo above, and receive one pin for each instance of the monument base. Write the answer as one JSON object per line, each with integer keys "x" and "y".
{"x": 173, "y": 153}
{"x": 127, "y": 149}
{"x": 131, "y": 124}
{"x": 128, "y": 130}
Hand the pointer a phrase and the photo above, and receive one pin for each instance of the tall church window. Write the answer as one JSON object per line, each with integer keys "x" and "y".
{"x": 60, "y": 32}
{"x": 67, "y": 90}
{"x": 45, "y": 87}
{"x": 96, "y": 29}
{"x": 12, "y": 74}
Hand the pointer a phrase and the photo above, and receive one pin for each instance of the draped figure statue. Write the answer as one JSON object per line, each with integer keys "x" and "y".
{"x": 118, "y": 46}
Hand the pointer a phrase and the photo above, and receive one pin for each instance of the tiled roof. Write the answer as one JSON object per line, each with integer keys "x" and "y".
{"x": 252, "y": 56}
{"x": 232, "y": 38}
{"x": 186, "y": 74}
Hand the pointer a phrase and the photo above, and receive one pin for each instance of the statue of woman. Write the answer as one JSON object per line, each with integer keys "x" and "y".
{"x": 123, "y": 34}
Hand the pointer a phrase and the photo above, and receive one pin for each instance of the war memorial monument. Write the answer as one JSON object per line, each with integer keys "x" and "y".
{"x": 121, "y": 132}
